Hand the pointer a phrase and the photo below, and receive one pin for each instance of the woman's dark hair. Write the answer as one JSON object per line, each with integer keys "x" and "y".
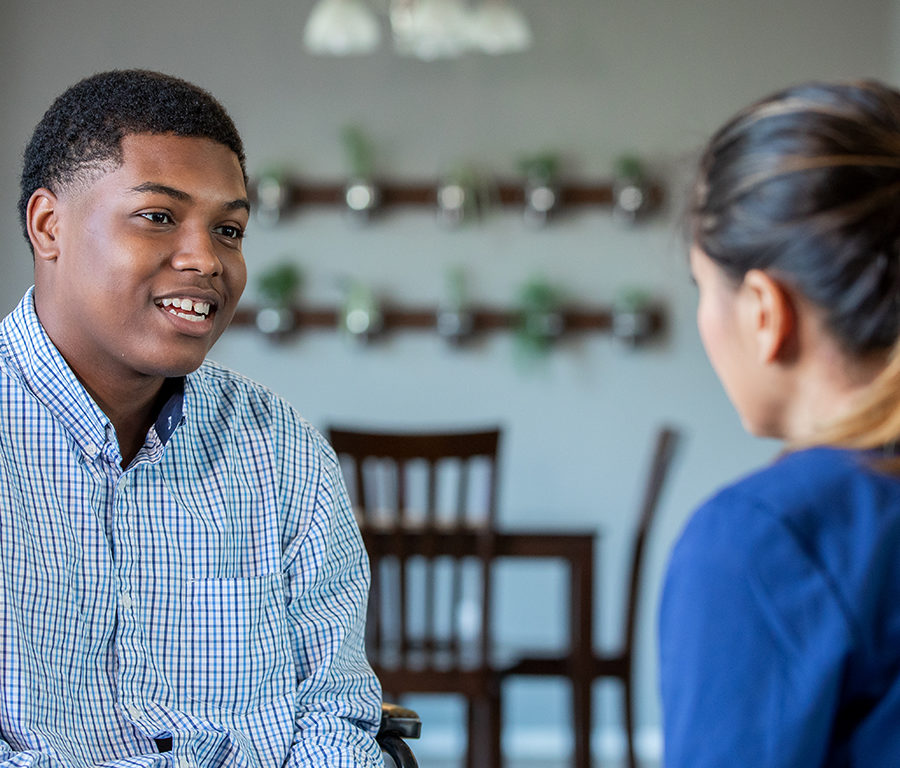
{"x": 805, "y": 185}
{"x": 81, "y": 134}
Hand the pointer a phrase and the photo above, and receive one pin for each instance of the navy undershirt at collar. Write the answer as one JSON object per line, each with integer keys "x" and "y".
{"x": 170, "y": 414}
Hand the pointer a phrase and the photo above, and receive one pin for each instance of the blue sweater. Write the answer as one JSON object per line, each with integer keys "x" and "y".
{"x": 780, "y": 621}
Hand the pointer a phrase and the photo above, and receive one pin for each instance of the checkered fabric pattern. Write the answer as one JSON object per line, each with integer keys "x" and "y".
{"x": 213, "y": 592}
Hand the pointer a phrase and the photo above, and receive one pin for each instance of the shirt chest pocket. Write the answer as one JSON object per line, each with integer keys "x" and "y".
{"x": 238, "y": 643}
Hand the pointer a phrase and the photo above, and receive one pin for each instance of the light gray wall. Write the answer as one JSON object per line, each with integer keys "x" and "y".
{"x": 603, "y": 78}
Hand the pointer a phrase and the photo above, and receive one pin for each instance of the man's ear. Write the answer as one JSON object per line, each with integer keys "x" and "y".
{"x": 42, "y": 219}
{"x": 769, "y": 316}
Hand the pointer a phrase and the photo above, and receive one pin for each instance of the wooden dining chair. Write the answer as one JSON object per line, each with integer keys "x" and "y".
{"x": 619, "y": 663}
{"x": 419, "y": 498}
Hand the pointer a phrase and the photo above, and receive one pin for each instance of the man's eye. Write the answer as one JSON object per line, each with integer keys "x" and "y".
{"x": 232, "y": 233}
{"x": 158, "y": 217}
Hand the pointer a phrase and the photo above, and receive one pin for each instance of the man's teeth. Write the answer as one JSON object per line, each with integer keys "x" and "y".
{"x": 199, "y": 308}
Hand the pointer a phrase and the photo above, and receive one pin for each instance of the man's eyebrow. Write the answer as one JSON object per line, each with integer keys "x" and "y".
{"x": 241, "y": 203}
{"x": 162, "y": 189}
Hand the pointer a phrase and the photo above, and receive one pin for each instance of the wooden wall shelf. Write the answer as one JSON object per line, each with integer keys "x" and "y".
{"x": 573, "y": 320}
{"x": 301, "y": 194}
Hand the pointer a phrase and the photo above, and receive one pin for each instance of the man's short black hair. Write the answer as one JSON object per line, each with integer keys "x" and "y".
{"x": 81, "y": 134}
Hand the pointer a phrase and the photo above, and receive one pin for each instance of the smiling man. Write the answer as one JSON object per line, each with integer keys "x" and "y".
{"x": 182, "y": 582}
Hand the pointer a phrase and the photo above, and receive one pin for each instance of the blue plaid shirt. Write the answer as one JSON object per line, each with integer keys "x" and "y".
{"x": 213, "y": 592}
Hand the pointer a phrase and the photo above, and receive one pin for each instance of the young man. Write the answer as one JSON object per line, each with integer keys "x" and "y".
{"x": 182, "y": 581}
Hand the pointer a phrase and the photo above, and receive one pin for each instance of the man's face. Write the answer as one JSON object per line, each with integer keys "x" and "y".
{"x": 149, "y": 267}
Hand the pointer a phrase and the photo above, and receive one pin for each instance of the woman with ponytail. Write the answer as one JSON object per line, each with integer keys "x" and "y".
{"x": 780, "y": 617}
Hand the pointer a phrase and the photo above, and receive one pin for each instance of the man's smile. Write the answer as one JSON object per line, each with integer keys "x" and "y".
{"x": 195, "y": 310}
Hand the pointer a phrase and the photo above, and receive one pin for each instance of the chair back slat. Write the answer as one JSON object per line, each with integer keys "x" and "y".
{"x": 360, "y": 488}
{"x": 429, "y": 565}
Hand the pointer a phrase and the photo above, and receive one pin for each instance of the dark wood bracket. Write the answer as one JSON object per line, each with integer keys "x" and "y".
{"x": 301, "y": 194}
{"x": 632, "y": 326}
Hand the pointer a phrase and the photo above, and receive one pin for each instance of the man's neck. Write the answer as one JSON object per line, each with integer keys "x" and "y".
{"x": 132, "y": 411}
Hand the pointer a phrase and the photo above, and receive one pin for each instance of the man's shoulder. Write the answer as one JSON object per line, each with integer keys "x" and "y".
{"x": 16, "y": 334}
{"x": 21, "y": 344}
{"x": 214, "y": 377}
{"x": 220, "y": 390}
{"x": 213, "y": 380}
{"x": 219, "y": 393}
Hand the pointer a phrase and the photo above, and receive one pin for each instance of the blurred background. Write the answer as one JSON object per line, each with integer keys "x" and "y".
{"x": 599, "y": 81}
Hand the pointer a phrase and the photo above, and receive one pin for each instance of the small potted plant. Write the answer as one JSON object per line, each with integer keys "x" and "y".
{"x": 272, "y": 196}
{"x": 278, "y": 286}
{"x": 541, "y": 321}
{"x": 541, "y": 186}
{"x": 631, "y": 197}
{"x": 632, "y": 320}
{"x": 462, "y": 195}
{"x": 454, "y": 318}
{"x": 361, "y": 317}
{"x": 361, "y": 195}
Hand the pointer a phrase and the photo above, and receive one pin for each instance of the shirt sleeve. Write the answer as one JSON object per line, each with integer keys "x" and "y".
{"x": 326, "y": 572}
{"x": 753, "y": 644}
{"x": 29, "y": 759}
{"x": 34, "y": 759}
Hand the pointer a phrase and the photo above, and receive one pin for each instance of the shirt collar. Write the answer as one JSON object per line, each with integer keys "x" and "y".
{"x": 42, "y": 369}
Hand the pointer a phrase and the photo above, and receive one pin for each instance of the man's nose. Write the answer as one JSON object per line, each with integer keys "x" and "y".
{"x": 196, "y": 250}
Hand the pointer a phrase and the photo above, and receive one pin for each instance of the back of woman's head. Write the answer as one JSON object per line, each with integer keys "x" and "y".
{"x": 805, "y": 185}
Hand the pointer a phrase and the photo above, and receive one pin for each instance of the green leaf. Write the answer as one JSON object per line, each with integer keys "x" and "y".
{"x": 279, "y": 284}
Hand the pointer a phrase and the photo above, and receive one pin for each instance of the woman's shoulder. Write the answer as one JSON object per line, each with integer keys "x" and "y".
{"x": 812, "y": 479}
{"x": 832, "y": 503}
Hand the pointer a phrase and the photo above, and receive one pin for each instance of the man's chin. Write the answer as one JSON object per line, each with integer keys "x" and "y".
{"x": 173, "y": 369}
{"x": 179, "y": 359}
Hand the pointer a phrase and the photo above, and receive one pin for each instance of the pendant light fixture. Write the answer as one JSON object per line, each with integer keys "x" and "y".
{"x": 342, "y": 28}
{"x": 425, "y": 29}
{"x": 498, "y": 27}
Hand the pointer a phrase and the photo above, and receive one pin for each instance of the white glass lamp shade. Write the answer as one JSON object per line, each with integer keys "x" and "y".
{"x": 433, "y": 29}
{"x": 341, "y": 28}
{"x": 497, "y": 27}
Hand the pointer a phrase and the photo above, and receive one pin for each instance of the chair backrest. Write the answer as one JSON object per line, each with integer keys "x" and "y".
{"x": 426, "y": 504}
{"x": 664, "y": 450}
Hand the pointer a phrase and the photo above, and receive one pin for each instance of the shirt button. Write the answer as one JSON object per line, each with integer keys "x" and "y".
{"x": 133, "y": 712}
{"x": 92, "y": 451}
{"x": 126, "y": 602}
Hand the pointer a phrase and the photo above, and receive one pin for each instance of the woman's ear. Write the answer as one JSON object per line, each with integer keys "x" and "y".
{"x": 42, "y": 220}
{"x": 768, "y": 315}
